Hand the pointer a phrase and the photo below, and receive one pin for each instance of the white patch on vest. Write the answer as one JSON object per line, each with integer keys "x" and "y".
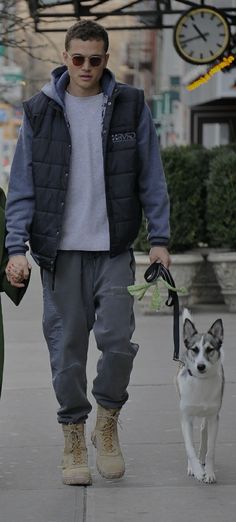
{"x": 123, "y": 136}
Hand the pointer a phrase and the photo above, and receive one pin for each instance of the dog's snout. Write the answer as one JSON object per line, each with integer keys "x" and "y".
{"x": 201, "y": 367}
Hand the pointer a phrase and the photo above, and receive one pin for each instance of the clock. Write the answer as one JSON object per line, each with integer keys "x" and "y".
{"x": 201, "y": 35}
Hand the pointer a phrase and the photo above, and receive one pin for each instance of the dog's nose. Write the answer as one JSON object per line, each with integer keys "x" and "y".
{"x": 201, "y": 367}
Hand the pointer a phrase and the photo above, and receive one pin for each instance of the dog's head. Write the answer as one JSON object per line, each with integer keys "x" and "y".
{"x": 203, "y": 349}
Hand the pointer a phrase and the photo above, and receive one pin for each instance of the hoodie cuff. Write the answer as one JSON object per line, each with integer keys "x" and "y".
{"x": 18, "y": 252}
{"x": 160, "y": 242}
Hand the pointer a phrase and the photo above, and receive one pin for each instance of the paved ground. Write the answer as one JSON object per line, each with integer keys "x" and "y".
{"x": 155, "y": 488}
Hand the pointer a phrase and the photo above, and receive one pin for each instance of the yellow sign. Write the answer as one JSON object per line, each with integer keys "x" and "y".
{"x": 226, "y": 62}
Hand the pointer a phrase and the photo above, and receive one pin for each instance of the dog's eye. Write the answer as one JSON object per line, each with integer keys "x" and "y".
{"x": 195, "y": 350}
{"x": 210, "y": 350}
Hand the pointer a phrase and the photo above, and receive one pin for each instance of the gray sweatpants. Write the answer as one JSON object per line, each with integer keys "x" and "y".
{"x": 89, "y": 292}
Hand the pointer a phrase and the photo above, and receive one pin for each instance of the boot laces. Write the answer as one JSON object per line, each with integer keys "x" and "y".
{"x": 77, "y": 447}
{"x": 109, "y": 432}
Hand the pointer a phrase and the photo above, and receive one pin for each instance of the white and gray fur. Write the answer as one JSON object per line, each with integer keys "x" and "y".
{"x": 200, "y": 382}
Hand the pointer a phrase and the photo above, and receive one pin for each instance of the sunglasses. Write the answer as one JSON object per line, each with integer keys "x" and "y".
{"x": 78, "y": 60}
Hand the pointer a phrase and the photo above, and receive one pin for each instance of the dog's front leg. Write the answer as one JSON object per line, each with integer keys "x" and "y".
{"x": 212, "y": 428}
{"x": 203, "y": 443}
{"x": 194, "y": 466}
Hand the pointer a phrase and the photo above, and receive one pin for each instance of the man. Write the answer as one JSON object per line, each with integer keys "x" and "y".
{"x": 86, "y": 163}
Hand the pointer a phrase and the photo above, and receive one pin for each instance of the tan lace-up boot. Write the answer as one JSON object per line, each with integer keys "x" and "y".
{"x": 75, "y": 458}
{"x": 110, "y": 462}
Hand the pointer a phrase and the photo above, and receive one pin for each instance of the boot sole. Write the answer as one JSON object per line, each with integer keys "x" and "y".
{"x": 73, "y": 481}
{"x": 75, "y": 477}
{"x": 110, "y": 476}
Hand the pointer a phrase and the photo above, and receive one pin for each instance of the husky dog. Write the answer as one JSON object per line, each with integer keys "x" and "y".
{"x": 200, "y": 382}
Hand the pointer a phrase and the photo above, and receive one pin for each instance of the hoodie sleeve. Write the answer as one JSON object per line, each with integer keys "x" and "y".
{"x": 20, "y": 199}
{"x": 152, "y": 184}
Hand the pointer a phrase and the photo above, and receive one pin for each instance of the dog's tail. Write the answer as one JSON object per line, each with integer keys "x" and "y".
{"x": 186, "y": 315}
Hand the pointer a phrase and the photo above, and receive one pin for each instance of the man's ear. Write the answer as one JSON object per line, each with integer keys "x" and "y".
{"x": 65, "y": 57}
{"x": 106, "y": 59}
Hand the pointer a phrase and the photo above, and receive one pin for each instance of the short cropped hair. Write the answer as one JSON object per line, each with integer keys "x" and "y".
{"x": 86, "y": 30}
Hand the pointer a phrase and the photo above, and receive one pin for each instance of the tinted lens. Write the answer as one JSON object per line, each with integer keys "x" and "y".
{"x": 95, "y": 61}
{"x": 78, "y": 60}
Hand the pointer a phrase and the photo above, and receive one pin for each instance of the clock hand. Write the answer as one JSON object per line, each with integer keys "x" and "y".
{"x": 200, "y": 33}
{"x": 193, "y": 38}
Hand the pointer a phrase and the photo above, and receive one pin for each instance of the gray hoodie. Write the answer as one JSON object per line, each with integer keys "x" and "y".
{"x": 152, "y": 185}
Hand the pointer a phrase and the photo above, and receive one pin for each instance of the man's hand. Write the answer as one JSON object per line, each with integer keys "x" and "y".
{"x": 161, "y": 255}
{"x": 17, "y": 270}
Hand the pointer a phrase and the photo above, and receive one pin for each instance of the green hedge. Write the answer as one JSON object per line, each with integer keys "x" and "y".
{"x": 202, "y": 190}
{"x": 221, "y": 199}
{"x": 186, "y": 169}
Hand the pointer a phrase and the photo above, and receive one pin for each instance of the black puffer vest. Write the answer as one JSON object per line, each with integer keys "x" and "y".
{"x": 51, "y": 151}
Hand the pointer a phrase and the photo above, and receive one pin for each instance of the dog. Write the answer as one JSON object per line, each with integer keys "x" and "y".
{"x": 200, "y": 383}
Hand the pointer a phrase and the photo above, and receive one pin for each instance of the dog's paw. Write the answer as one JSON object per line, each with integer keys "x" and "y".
{"x": 210, "y": 478}
{"x": 200, "y": 475}
{"x": 196, "y": 470}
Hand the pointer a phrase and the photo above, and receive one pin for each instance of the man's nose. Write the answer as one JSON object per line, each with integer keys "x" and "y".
{"x": 86, "y": 64}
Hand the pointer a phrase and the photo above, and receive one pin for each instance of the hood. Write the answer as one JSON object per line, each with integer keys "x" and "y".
{"x": 55, "y": 89}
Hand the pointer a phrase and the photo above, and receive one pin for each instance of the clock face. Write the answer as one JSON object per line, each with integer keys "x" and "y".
{"x": 201, "y": 35}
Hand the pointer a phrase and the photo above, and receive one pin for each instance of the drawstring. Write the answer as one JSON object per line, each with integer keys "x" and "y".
{"x": 54, "y": 273}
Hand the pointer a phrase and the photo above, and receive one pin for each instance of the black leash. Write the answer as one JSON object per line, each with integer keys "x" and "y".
{"x": 154, "y": 271}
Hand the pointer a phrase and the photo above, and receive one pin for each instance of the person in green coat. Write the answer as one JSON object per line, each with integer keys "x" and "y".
{"x": 15, "y": 294}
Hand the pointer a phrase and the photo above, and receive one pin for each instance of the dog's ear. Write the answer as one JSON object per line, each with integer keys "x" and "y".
{"x": 188, "y": 331}
{"x": 217, "y": 330}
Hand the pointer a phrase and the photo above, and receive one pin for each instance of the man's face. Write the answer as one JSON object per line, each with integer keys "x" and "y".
{"x": 85, "y": 78}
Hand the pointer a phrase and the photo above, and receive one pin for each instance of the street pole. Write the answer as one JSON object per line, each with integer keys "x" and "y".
{"x": 1, "y": 41}
{"x": 1, "y": 157}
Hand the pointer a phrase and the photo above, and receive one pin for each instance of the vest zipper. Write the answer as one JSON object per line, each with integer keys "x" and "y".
{"x": 107, "y": 120}
{"x": 105, "y": 128}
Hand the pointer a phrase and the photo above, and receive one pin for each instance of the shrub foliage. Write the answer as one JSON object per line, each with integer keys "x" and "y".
{"x": 202, "y": 189}
{"x": 221, "y": 200}
{"x": 186, "y": 169}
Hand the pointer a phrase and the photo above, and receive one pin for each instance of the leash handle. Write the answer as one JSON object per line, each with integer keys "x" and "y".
{"x": 153, "y": 272}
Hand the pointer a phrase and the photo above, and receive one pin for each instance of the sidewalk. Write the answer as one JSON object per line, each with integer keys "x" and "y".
{"x": 156, "y": 487}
